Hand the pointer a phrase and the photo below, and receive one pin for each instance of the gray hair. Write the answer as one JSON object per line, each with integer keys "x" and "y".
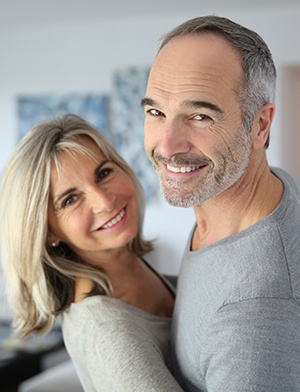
{"x": 40, "y": 278}
{"x": 259, "y": 71}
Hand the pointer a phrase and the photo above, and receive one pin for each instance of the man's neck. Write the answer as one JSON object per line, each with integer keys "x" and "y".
{"x": 251, "y": 199}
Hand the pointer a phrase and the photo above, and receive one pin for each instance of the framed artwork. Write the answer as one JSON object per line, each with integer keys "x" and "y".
{"x": 36, "y": 108}
{"x": 117, "y": 115}
{"x": 127, "y": 124}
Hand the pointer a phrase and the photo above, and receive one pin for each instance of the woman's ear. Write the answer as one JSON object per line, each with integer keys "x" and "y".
{"x": 262, "y": 125}
{"x": 52, "y": 240}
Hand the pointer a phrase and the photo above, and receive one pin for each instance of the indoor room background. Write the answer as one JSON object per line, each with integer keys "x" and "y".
{"x": 95, "y": 48}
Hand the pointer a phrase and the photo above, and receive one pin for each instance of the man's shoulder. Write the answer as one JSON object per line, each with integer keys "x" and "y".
{"x": 287, "y": 178}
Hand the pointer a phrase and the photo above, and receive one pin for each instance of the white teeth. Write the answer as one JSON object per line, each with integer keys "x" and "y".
{"x": 114, "y": 220}
{"x": 183, "y": 169}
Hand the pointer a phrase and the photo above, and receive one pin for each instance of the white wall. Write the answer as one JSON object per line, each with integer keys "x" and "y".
{"x": 80, "y": 57}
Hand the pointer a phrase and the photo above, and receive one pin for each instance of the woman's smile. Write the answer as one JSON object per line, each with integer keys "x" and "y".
{"x": 116, "y": 222}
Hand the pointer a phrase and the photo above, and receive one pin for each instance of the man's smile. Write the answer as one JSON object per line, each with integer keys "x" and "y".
{"x": 182, "y": 169}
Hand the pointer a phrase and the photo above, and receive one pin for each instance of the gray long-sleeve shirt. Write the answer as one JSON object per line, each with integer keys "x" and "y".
{"x": 118, "y": 348}
{"x": 236, "y": 325}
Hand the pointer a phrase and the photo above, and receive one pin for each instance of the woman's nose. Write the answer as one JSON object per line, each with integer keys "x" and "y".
{"x": 102, "y": 200}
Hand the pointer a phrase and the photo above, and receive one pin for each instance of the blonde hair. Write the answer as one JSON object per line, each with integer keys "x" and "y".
{"x": 40, "y": 279}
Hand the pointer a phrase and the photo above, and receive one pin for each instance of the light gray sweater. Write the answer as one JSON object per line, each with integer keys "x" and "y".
{"x": 237, "y": 315}
{"x": 118, "y": 348}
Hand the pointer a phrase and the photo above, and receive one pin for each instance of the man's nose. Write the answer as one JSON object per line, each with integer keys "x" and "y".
{"x": 173, "y": 139}
{"x": 102, "y": 200}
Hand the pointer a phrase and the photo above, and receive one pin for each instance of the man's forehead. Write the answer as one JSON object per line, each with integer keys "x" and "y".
{"x": 204, "y": 60}
{"x": 195, "y": 48}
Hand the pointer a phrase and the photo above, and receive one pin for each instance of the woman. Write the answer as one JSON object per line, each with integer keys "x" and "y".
{"x": 72, "y": 246}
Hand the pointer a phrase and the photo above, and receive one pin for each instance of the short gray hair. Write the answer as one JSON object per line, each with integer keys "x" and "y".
{"x": 259, "y": 71}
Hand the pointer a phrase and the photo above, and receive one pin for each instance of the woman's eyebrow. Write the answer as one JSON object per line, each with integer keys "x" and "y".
{"x": 57, "y": 198}
{"x": 98, "y": 167}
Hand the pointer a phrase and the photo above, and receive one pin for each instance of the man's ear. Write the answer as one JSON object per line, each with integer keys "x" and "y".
{"x": 262, "y": 125}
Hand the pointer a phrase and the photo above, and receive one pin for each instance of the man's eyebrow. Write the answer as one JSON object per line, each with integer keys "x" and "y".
{"x": 148, "y": 101}
{"x": 202, "y": 104}
{"x": 189, "y": 103}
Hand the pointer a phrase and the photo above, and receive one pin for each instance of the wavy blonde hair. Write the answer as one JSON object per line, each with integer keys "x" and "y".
{"x": 40, "y": 279}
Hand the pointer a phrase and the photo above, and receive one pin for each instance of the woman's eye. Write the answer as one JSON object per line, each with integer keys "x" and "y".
{"x": 104, "y": 173}
{"x": 69, "y": 200}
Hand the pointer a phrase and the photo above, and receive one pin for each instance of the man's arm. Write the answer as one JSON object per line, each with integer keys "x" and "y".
{"x": 254, "y": 346}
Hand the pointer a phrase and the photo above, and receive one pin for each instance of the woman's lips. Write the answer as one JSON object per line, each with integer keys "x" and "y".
{"x": 114, "y": 220}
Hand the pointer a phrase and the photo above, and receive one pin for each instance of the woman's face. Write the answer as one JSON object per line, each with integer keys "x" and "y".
{"x": 93, "y": 205}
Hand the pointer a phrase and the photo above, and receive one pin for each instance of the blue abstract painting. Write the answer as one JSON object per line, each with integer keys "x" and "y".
{"x": 33, "y": 109}
{"x": 118, "y": 115}
{"x": 127, "y": 124}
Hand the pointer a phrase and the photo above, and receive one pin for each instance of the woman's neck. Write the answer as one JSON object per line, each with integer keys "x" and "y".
{"x": 134, "y": 283}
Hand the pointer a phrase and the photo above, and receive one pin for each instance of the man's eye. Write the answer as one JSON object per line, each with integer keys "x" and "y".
{"x": 154, "y": 112}
{"x": 104, "y": 173}
{"x": 201, "y": 117}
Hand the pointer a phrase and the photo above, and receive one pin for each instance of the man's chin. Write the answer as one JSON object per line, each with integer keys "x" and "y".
{"x": 178, "y": 200}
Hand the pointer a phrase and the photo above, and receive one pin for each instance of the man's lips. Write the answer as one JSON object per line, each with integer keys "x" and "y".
{"x": 180, "y": 163}
{"x": 183, "y": 169}
{"x": 114, "y": 220}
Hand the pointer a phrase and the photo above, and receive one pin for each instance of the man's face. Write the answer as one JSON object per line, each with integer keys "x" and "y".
{"x": 193, "y": 129}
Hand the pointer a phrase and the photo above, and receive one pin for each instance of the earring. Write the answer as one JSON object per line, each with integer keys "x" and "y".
{"x": 53, "y": 245}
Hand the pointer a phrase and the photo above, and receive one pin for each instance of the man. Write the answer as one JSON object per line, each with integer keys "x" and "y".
{"x": 208, "y": 108}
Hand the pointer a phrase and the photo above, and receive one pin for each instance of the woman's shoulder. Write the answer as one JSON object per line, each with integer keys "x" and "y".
{"x": 102, "y": 317}
{"x": 104, "y": 309}
{"x": 97, "y": 308}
